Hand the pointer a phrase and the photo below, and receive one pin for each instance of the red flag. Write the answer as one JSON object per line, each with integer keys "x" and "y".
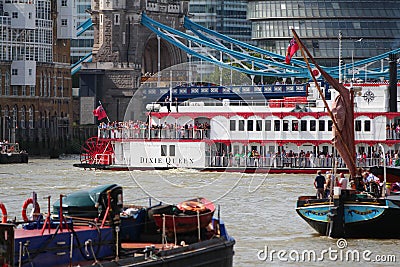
{"x": 100, "y": 113}
{"x": 292, "y": 49}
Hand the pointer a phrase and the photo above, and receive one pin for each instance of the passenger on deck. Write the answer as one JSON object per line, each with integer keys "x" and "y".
{"x": 328, "y": 184}
{"x": 319, "y": 184}
{"x": 343, "y": 181}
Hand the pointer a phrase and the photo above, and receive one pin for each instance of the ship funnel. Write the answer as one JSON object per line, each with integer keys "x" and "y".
{"x": 393, "y": 82}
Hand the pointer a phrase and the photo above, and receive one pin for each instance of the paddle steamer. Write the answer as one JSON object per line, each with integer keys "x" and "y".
{"x": 286, "y": 134}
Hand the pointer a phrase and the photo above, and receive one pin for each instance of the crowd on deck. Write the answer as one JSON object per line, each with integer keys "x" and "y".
{"x": 296, "y": 160}
{"x": 363, "y": 181}
{"x": 142, "y": 130}
{"x": 393, "y": 131}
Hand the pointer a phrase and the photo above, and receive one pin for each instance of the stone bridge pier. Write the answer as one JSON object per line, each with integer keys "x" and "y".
{"x": 124, "y": 51}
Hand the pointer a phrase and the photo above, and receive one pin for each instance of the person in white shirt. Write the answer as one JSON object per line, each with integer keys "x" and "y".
{"x": 343, "y": 181}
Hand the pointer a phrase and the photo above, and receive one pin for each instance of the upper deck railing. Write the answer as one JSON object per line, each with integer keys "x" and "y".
{"x": 231, "y": 92}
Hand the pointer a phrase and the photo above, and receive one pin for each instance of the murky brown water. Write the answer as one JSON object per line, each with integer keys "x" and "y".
{"x": 259, "y": 210}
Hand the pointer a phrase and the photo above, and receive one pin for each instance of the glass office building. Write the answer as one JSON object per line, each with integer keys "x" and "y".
{"x": 223, "y": 16}
{"x": 83, "y": 44}
{"x": 367, "y": 27}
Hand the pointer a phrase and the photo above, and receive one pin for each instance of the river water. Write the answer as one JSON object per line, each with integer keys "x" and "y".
{"x": 258, "y": 210}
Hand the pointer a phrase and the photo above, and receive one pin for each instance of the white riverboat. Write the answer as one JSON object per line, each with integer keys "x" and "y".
{"x": 289, "y": 134}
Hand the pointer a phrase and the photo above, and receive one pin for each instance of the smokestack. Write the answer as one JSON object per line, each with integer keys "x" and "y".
{"x": 393, "y": 82}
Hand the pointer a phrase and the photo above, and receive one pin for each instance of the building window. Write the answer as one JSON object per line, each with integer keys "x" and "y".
{"x": 64, "y": 2}
{"x": 30, "y": 72}
{"x": 367, "y": 126}
{"x": 258, "y": 125}
{"x": 232, "y": 125}
{"x": 295, "y": 125}
{"x": 23, "y": 91}
{"x": 14, "y": 90}
{"x": 7, "y": 84}
{"x": 32, "y": 90}
{"x": 303, "y": 125}
{"x": 22, "y": 121}
{"x": 313, "y": 125}
{"x": 241, "y": 125}
{"x": 285, "y": 125}
{"x": 330, "y": 123}
{"x": 116, "y": 19}
{"x": 30, "y": 125}
{"x": 14, "y": 72}
{"x": 358, "y": 126}
{"x": 30, "y": 15}
{"x": 268, "y": 125}
{"x": 163, "y": 150}
{"x": 321, "y": 125}
{"x": 172, "y": 150}
{"x": 15, "y": 15}
{"x": 277, "y": 125}
{"x": 250, "y": 125}
{"x": 64, "y": 22}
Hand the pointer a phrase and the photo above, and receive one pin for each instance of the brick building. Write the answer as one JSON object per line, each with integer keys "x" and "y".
{"x": 35, "y": 76}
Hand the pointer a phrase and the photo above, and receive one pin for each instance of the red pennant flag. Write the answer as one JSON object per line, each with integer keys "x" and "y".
{"x": 100, "y": 113}
{"x": 292, "y": 49}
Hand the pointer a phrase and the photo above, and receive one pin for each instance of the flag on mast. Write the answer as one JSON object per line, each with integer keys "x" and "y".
{"x": 292, "y": 49}
{"x": 100, "y": 113}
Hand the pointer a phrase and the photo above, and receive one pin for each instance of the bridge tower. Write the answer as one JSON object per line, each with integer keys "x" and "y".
{"x": 124, "y": 51}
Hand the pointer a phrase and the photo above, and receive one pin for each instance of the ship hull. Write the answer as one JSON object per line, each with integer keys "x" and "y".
{"x": 366, "y": 220}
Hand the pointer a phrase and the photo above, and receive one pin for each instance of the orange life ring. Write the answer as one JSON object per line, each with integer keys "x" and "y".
{"x": 4, "y": 212}
{"x": 193, "y": 206}
{"x": 25, "y": 206}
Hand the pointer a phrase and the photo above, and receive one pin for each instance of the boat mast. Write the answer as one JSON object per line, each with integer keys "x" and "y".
{"x": 340, "y": 57}
{"x": 304, "y": 50}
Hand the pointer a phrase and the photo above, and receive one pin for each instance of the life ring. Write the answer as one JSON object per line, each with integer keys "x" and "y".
{"x": 4, "y": 212}
{"x": 192, "y": 206}
{"x": 25, "y": 206}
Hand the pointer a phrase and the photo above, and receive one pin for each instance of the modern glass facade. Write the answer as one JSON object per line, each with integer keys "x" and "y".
{"x": 83, "y": 44}
{"x": 223, "y": 16}
{"x": 318, "y": 23}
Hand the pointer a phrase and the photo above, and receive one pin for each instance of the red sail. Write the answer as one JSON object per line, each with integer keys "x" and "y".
{"x": 343, "y": 116}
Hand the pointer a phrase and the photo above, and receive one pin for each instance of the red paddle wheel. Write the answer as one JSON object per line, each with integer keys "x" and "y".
{"x": 97, "y": 151}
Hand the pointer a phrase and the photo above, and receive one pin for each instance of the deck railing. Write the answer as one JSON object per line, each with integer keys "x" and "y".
{"x": 286, "y": 162}
{"x": 145, "y": 133}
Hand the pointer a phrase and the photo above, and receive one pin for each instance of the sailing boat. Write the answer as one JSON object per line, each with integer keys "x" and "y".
{"x": 347, "y": 213}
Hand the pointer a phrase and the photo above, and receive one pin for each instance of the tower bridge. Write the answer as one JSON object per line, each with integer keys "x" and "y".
{"x": 135, "y": 38}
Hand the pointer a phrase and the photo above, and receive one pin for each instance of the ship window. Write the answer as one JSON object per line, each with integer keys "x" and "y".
{"x": 312, "y": 125}
{"x": 277, "y": 125}
{"x": 303, "y": 125}
{"x": 232, "y": 125}
{"x": 358, "y": 126}
{"x": 163, "y": 150}
{"x": 367, "y": 125}
{"x": 295, "y": 125}
{"x": 250, "y": 125}
{"x": 268, "y": 125}
{"x": 321, "y": 125}
{"x": 330, "y": 123}
{"x": 241, "y": 125}
{"x": 172, "y": 150}
{"x": 258, "y": 125}
{"x": 285, "y": 125}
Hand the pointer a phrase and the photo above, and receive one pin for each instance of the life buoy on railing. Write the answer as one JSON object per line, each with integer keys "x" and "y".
{"x": 4, "y": 212}
{"x": 25, "y": 206}
{"x": 192, "y": 206}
